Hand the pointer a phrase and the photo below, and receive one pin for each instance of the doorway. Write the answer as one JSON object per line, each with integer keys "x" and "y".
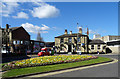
{"x": 69, "y": 48}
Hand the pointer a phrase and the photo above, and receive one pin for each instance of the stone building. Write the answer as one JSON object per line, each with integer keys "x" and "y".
{"x": 73, "y": 42}
{"x": 97, "y": 45}
{"x": 17, "y": 38}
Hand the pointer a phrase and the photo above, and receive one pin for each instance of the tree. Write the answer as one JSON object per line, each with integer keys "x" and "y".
{"x": 39, "y": 38}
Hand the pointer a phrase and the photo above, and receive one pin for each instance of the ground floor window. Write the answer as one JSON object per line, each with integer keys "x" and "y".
{"x": 92, "y": 47}
{"x": 98, "y": 46}
{"x": 78, "y": 47}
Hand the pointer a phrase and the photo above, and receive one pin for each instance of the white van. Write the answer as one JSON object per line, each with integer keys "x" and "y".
{"x": 3, "y": 50}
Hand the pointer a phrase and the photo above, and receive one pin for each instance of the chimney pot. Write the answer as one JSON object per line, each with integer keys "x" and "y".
{"x": 7, "y": 26}
{"x": 70, "y": 32}
{"x": 80, "y": 30}
{"x": 65, "y": 31}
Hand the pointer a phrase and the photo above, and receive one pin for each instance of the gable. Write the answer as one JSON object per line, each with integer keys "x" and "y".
{"x": 20, "y": 34}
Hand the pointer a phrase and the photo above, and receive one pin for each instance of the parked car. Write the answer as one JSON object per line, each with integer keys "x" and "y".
{"x": 44, "y": 51}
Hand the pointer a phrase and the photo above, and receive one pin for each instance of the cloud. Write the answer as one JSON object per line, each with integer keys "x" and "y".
{"x": 34, "y": 28}
{"x": 42, "y": 10}
{"x": 45, "y": 11}
{"x": 21, "y": 15}
{"x": 8, "y": 8}
{"x": 93, "y": 32}
{"x": 21, "y": 0}
{"x": 44, "y": 27}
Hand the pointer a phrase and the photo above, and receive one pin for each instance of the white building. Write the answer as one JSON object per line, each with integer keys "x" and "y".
{"x": 113, "y": 43}
{"x": 97, "y": 36}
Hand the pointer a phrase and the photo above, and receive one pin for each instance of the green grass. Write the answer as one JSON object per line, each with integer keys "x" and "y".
{"x": 38, "y": 69}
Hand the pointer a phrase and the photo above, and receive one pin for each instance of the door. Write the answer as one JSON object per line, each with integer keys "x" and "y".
{"x": 69, "y": 48}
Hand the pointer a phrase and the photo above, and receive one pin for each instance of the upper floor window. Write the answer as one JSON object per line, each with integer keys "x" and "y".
{"x": 78, "y": 39}
{"x": 70, "y": 40}
{"x": 98, "y": 46}
{"x": 92, "y": 46}
{"x": 62, "y": 40}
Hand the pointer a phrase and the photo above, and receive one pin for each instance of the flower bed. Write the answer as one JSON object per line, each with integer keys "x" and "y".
{"x": 46, "y": 60}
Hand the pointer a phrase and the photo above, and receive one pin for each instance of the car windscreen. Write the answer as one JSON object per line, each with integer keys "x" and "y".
{"x": 42, "y": 51}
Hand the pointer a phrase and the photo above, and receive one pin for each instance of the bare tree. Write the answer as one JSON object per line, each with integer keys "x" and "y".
{"x": 39, "y": 38}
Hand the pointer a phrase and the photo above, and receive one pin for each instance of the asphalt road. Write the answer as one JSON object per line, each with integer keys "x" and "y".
{"x": 102, "y": 72}
{"x": 110, "y": 70}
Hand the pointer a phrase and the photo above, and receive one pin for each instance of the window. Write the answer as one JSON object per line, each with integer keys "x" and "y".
{"x": 18, "y": 42}
{"x": 104, "y": 47}
{"x": 70, "y": 40}
{"x": 26, "y": 42}
{"x": 78, "y": 39}
{"x": 92, "y": 46}
{"x": 62, "y": 40}
{"x": 78, "y": 48}
{"x": 41, "y": 44}
{"x": 98, "y": 46}
{"x": 21, "y": 42}
{"x": 14, "y": 42}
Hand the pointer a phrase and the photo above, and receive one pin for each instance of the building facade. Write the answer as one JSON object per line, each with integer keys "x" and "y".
{"x": 110, "y": 38}
{"x": 97, "y": 45}
{"x": 73, "y": 42}
{"x": 16, "y": 39}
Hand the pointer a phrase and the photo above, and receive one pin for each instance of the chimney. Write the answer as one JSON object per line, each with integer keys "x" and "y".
{"x": 7, "y": 26}
{"x": 87, "y": 32}
{"x": 66, "y": 31}
{"x": 80, "y": 30}
{"x": 70, "y": 32}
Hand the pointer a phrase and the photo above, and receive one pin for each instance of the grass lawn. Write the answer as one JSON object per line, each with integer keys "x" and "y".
{"x": 38, "y": 69}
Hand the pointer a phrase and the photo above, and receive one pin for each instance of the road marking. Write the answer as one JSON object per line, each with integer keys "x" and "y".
{"x": 69, "y": 70}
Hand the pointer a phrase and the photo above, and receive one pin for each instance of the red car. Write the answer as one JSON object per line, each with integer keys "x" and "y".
{"x": 44, "y": 51}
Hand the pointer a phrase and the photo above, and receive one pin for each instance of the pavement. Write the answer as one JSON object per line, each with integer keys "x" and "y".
{"x": 101, "y": 70}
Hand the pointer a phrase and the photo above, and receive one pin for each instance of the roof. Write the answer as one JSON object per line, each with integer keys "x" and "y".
{"x": 12, "y": 28}
{"x": 96, "y": 41}
{"x": 70, "y": 35}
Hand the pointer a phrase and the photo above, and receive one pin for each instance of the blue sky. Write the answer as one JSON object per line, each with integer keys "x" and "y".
{"x": 52, "y": 18}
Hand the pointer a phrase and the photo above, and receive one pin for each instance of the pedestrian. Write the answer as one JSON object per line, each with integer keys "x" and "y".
{"x": 97, "y": 52}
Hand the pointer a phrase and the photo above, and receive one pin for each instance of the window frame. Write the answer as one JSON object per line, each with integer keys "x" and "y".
{"x": 61, "y": 40}
{"x": 78, "y": 39}
{"x": 98, "y": 46}
{"x": 70, "y": 40}
{"x": 92, "y": 47}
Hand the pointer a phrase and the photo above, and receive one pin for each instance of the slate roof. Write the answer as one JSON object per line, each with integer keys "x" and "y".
{"x": 96, "y": 41}
{"x": 12, "y": 28}
{"x": 69, "y": 35}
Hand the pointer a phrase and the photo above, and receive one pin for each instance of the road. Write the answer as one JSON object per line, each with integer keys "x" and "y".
{"x": 109, "y": 70}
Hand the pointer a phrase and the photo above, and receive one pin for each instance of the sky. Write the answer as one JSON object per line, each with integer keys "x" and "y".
{"x": 52, "y": 18}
